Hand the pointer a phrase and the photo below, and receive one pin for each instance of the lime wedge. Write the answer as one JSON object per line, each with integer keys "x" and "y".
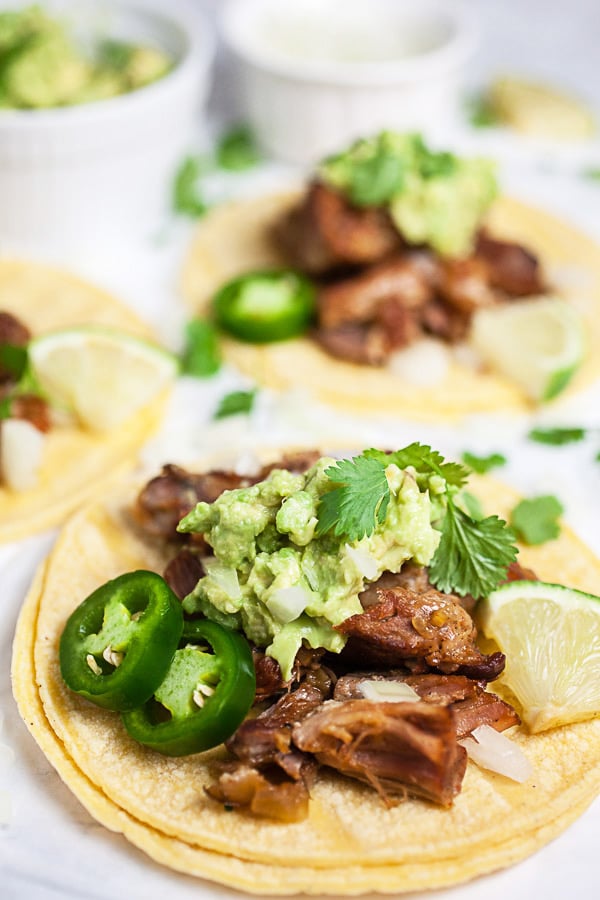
{"x": 538, "y": 343}
{"x": 101, "y": 375}
{"x": 551, "y": 637}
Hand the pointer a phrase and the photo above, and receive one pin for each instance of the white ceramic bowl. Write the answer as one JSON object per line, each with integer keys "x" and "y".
{"x": 101, "y": 172}
{"x": 316, "y": 74}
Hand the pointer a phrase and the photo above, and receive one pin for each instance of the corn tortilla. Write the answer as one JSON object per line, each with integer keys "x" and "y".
{"x": 75, "y": 462}
{"x": 350, "y": 843}
{"x": 234, "y": 238}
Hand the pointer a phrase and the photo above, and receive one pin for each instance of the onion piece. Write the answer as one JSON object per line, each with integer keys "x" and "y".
{"x": 388, "y": 691}
{"x": 224, "y": 577}
{"x": 493, "y": 750}
{"x": 424, "y": 363}
{"x": 247, "y": 463}
{"x": 366, "y": 564}
{"x": 21, "y": 449}
{"x": 286, "y": 604}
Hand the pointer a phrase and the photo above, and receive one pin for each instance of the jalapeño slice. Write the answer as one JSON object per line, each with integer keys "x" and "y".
{"x": 265, "y": 306}
{"x": 118, "y": 644}
{"x": 204, "y": 697}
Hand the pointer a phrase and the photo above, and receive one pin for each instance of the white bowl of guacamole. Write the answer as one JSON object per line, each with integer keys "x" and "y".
{"x": 98, "y": 101}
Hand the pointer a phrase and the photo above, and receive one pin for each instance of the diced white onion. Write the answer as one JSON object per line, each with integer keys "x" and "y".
{"x": 366, "y": 564}
{"x": 424, "y": 363}
{"x": 247, "y": 463}
{"x": 388, "y": 691}
{"x": 224, "y": 577}
{"x": 493, "y": 750}
{"x": 286, "y": 604}
{"x": 21, "y": 449}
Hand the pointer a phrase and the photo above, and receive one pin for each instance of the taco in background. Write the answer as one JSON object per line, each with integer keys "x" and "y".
{"x": 349, "y": 840}
{"x": 72, "y": 410}
{"x": 426, "y": 288}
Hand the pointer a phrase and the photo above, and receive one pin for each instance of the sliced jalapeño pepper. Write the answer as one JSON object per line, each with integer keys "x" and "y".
{"x": 118, "y": 644}
{"x": 266, "y": 306}
{"x": 204, "y": 697}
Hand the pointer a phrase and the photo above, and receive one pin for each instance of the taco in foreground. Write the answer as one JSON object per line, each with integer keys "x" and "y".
{"x": 352, "y": 838}
{"x": 416, "y": 281}
{"x": 51, "y": 459}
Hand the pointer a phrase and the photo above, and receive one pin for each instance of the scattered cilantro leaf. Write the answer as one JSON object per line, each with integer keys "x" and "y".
{"x": 375, "y": 180}
{"x": 535, "y": 519}
{"x": 13, "y": 359}
{"x": 597, "y": 457}
{"x": 187, "y": 197}
{"x": 483, "y": 464}
{"x": 237, "y": 150}
{"x": 481, "y": 112}
{"x": 425, "y": 460}
{"x": 472, "y": 556}
{"x": 557, "y": 436}
{"x": 471, "y": 505}
{"x": 5, "y": 407}
{"x": 234, "y": 403}
{"x": 202, "y": 355}
{"x": 359, "y": 503}
{"x": 593, "y": 173}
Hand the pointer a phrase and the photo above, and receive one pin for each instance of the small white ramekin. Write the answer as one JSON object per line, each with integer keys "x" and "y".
{"x": 101, "y": 172}
{"x": 304, "y": 104}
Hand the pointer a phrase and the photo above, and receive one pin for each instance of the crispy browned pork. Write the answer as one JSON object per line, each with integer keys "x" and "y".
{"x": 324, "y": 232}
{"x": 421, "y": 631}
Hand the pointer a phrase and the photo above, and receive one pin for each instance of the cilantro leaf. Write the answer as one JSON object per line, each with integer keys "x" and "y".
{"x": 376, "y": 180}
{"x": 237, "y": 149}
{"x": 471, "y": 505}
{"x": 425, "y": 460}
{"x": 557, "y": 436}
{"x": 201, "y": 356}
{"x": 5, "y": 407}
{"x": 483, "y": 464}
{"x": 472, "y": 556}
{"x": 13, "y": 359}
{"x": 234, "y": 403}
{"x": 187, "y": 198}
{"x": 359, "y": 503}
{"x": 535, "y": 520}
{"x": 481, "y": 112}
{"x": 593, "y": 173}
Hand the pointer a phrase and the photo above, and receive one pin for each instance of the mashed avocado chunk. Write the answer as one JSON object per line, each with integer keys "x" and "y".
{"x": 276, "y": 580}
{"x": 434, "y": 198}
{"x": 41, "y": 65}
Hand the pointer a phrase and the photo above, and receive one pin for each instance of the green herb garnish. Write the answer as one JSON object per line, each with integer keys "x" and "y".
{"x": 483, "y": 464}
{"x": 235, "y": 403}
{"x": 471, "y": 505}
{"x": 473, "y": 554}
{"x": 556, "y": 437}
{"x": 481, "y": 112}
{"x": 202, "y": 355}
{"x": 536, "y": 520}
{"x": 593, "y": 173}
{"x": 187, "y": 197}
{"x": 13, "y": 359}
{"x": 237, "y": 149}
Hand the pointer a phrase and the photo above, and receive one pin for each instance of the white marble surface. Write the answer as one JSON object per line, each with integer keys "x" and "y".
{"x": 51, "y": 848}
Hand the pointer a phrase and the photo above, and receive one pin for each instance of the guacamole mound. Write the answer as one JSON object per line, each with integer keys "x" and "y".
{"x": 434, "y": 198}
{"x": 41, "y": 65}
{"x": 276, "y": 580}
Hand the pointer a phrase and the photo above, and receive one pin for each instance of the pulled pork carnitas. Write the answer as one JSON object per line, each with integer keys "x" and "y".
{"x": 408, "y": 633}
{"x": 377, "y": 294}
{"x": 32, "y": 408}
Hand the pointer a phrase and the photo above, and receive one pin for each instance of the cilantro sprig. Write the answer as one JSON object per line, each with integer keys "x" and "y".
{"x": 535, "y": 519}
{"x": 473, "y": 554}
{"x": 235, "y": 403}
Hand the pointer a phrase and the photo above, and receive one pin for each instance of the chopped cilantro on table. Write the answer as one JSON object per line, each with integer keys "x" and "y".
{"x": 535, "y": 520}
{"x": 557, "y": 437}
{"x": 237, "y": 150}
{"x": 235, "y": 403}
{"x": 473, "y": 554}
{"x": 202, "y": 355}
{"x": 481, "y": 112}
{"x": 592, "y": 173}
{"x": 483, "y": 464}
{"x": 187, "y": 195}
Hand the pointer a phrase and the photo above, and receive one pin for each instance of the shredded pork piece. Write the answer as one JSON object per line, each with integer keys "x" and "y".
{"x": 398, "y": 748}
{"x": 511, "y": 268}
{"x": 183, "y": 573}
{"x": 243, "y": 786}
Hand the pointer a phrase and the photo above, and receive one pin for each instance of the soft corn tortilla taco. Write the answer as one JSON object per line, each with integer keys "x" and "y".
{"x": 350, "y": 843}
{"x": 236, "y": 238}
{"x": 75, "y": 461}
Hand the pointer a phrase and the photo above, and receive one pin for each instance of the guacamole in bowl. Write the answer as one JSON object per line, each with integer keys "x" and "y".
{"x": 43, "y": 64}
